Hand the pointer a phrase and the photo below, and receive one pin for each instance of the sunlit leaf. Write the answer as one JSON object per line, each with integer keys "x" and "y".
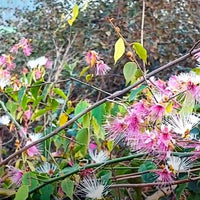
{"x": 169, "y": 107}
{"x": 119, "y": 49}
{"x": 60, "y": 92}
{"x": 129, "y": 72}
{"x": 88, "y": 77}
{"x": 75, "y": 14}
{"x": 140, "y": 51}
{"x": 63, "y": 119}
{"x": 84, "y": 70}
{"x": 22, "y": 193}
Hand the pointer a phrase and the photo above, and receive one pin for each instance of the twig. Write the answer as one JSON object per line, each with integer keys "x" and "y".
{"x": 142, "y": 185}
{"x": 194, "y": 46}
{"x": 142, "y": 32}
{"x": 114, "y": 95}
{"x": 13, "y": 119}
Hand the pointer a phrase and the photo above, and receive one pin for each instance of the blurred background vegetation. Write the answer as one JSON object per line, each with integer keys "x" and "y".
{"x": 171, "y": 28}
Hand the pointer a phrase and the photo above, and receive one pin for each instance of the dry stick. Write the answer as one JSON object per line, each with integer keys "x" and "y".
{"x": 114, "y": 95}
{"x": 142, "y": 185}
{"x": 142, "y": 32}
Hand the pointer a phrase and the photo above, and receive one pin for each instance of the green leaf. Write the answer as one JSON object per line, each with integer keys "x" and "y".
{"x": 99, "y": 113}
{"x": 11, "y": 93}
{"x": 46, "y": 192}
{"x": 12, "y": 107}
{"x": 68, "y": 187}
{"x": 24, "y": 102}
{"x": 39, "y": 113}
{"x": 81, "y": 106}
{"x": 75, "y": 14}
{"x": 30, "y": 179}
{"x": 22, "y": 193}
{"x": 60, "y": 92}
{"x": 119, "y": 49}
{"x": 86, "y": 120}
{"x": 148, "y": 177}
{"x": 135, "y": 92}
{"x": 35, "y": 89}
{"x": 46, "y": 90}
{"x": 129, "y": 71}
{"x": 140, "y": 51}
{"x": 21, "y": 94}
{"x": 188, "y": 104}
{"x": 82, "y": 139}
{"x": 180, "y": 189}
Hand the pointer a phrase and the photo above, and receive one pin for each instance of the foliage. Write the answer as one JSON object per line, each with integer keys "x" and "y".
{"x": 59, "y": 143}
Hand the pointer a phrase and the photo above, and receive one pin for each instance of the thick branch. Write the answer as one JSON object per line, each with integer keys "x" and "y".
{"x": 114, "y": 95}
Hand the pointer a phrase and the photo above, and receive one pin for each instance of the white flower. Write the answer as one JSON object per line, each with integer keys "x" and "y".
{"x": 178, "y": 164}
{"x": 92, "y": 188}
{"x": 191, "y": 76}
{"x": 4, "y": 78}
{"x": 98, "y": 157}
{"x": 4, "y": 120}
{"x": 47, "y": 168}
{"x": 41, "y": 61}
{"x": 182, "y": 124}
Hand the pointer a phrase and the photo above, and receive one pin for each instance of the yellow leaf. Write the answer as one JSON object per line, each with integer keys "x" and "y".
{"x": 75, "y": 14}
{"x": 43, "y": 158}
{"x": 119, "y": 49}
{"x": 89, "y": 77}
{"x": 63, "y": 119}
{"x": 84, "y": 70}
{"x": 169, "y": 107}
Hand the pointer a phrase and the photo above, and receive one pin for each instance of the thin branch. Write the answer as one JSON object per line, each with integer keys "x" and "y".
{"x": 142, "y": 185}
{"x": 114, "y": 95}
{"x": 13, "y": 119}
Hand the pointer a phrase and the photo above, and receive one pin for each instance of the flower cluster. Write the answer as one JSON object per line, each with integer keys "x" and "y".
{"x": 92, "y": 59}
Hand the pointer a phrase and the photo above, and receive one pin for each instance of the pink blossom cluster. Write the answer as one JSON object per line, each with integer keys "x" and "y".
{"x": 7, "y": 63}
{"x": 162, "y": 121}
{"x": 92, "y": 58}
{"x": 23, "y": 44}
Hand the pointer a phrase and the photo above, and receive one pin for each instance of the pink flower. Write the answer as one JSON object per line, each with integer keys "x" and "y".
{"x": 24, "y": 44}
{"x": 157, "y": 111}
{"x": 194, "y": 90}
{"x": 101, "y": 68}
{"x": 7, "y": 61}
{"x": 38, "y": 74}
{"x": 49, "y": 64}
{"x": 91, "y": 58}
{"x": 140, "y": 109}
{"x": 28, "y": 114}
{"x": 165, "y": 176}
{"x": 34, "y": 150}
{"x": 115, "y": 128}
{"x": 15, "y": 175}
{"x": 174, "y": 83}
{"x": 92, "y": 146}
{"x": 165, "y": 141}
